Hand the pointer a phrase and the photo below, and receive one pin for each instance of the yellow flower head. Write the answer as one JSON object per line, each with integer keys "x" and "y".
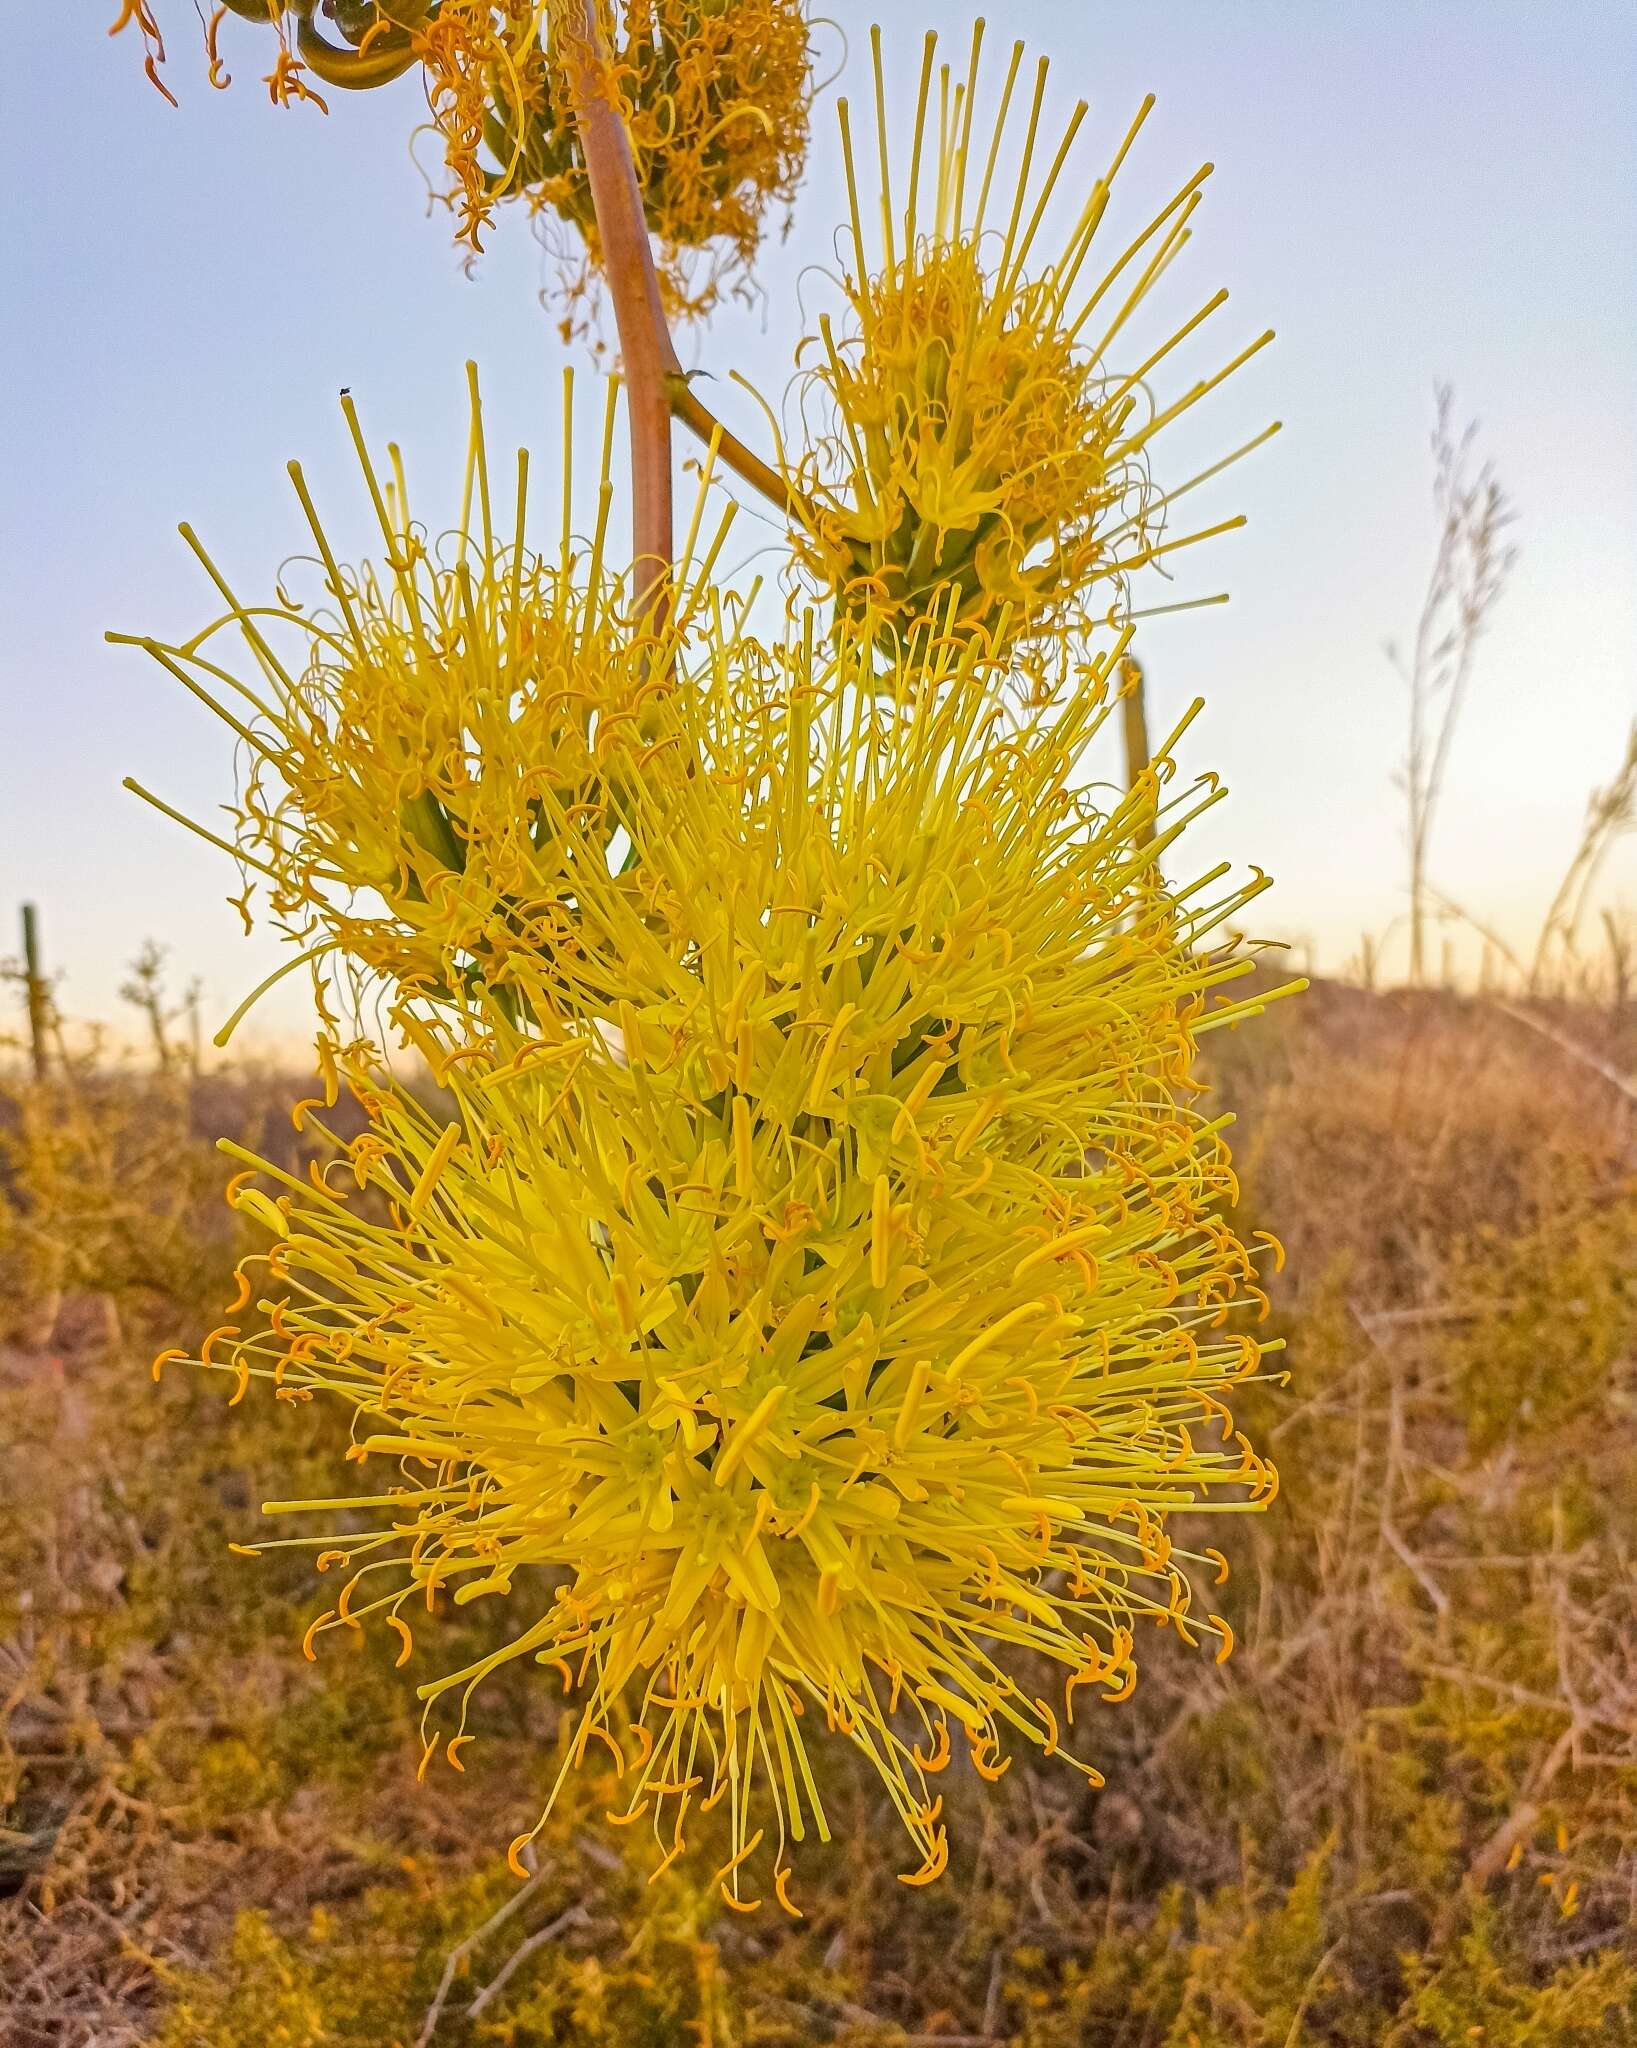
{"x": 984, "y": 454}
{"x": 429, "y": 744}
{"x": 818, "y": 1266}
{"x": 715, "y": 94}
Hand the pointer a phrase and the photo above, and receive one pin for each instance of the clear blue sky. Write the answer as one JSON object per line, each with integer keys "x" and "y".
{"x": 1406, "y": 191}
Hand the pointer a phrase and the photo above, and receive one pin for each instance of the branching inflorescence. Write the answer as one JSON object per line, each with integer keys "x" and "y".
{"x": 806, "y": 1293}
{"x": 715, "y": 99}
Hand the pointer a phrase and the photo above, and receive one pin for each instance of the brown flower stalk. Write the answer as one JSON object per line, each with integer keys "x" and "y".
{"x": 656, "y": 384}
{"x": 646, "y": 350}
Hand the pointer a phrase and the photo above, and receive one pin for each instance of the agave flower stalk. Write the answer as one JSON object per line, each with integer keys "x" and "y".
{"x": 822, "y": 1270}
{"x": 815, "y": 1290}
{"x": 656, "y": 381}
{"x": 660, "y": 387}
{"x": 646, "y": 350}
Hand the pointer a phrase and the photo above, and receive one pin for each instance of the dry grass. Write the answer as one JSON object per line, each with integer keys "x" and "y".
{"x": 1404, "y": 1813}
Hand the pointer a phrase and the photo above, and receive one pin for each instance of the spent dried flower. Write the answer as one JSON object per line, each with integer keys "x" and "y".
{"x": 715, "y": 97}
{"x": 716, "y": 103}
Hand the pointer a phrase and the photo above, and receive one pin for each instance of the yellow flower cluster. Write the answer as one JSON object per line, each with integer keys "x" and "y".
{"x": 979, "y": 454}
{"x": 427, "y": 751}
{"x": 815, "y": 1258}
{"x": 715, "y": 96}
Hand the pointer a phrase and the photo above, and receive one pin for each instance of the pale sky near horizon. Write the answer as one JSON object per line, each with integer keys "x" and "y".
{"x": 1406, "y": 192}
